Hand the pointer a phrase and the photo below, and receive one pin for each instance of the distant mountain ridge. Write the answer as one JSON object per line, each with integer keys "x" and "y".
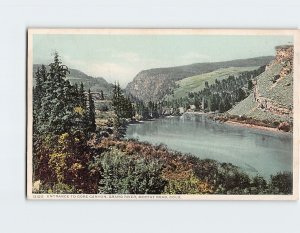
{"x": 154, "y": 84}
{"x": 95, "y": 84}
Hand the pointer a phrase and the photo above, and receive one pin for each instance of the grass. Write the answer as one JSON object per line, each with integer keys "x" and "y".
{"x": 244, "y": 107}
{"x": 280, "y": 93}
{"x": 197, "y": 83}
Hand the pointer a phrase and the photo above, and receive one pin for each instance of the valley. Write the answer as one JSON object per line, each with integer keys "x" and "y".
{"x": 168, "y": 123}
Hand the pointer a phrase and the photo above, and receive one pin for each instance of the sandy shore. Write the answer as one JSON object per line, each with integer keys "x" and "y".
{"x": 254, "y": 126}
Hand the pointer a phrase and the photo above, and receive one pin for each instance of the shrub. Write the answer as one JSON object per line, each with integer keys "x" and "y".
{"x": 284, "y": 126}
{"x": 231, "y": 180}
{"x": 57, "y": 163}
{"x": 282, "y": 183}
{"x": 186, "y": 183}
{"x": 61, "y": 188}
{"x": 55, "y": 188}
{"x": 125, "y": 174}
{"x": 206, "y": 170}
{"x": 103, "y": 108}
{"x": 258, "y": 185}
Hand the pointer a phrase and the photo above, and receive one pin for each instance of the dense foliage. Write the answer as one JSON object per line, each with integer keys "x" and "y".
{"x": 129, "y": 174}
{"x": 63, "y": 120}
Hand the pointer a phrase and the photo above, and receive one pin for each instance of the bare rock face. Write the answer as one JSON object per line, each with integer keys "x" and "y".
{"x": 285, "y": 57}
{"x": 150, "y": 87}
{"x": 284, "y": 53}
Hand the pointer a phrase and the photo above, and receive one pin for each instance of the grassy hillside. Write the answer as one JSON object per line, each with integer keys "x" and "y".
{"x": 197, "y": 83}
{"x": 279, "y": 93}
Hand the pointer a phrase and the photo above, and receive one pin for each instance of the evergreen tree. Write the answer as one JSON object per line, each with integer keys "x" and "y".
{"x": 91, "y": 113}
{"x": 122, "y": 106}
{"x": 116, "y": 100}
{"x": 101, "y": 95}
{"x": 82, "y": 97}
{"x": 250, "y": 85}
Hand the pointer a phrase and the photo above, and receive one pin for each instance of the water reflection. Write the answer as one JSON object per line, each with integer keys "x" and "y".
{"x": 252, "y": 149}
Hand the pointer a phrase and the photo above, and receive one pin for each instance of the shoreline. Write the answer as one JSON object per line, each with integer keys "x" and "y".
{"x": 229, "y": 122}
{"x": 251, "y": 126}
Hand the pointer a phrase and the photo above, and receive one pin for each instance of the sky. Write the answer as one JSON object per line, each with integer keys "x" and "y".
{"x": 121, "y": 57}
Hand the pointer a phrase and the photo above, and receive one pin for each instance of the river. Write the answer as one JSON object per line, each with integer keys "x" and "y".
{"x": 256, "y": 151}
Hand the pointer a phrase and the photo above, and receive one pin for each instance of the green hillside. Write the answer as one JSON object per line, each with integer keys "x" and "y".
{"x": 197, "y": 83}
{"x": 279, "y": 93}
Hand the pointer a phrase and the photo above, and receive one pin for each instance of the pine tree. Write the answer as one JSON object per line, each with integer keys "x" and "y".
{"x": 91, "y": 113}
{"x": 122, "y": 106}
{"x": 101, "y": 95}
{"x": 250, "y": 84}
{"x": 116, "y": 100}
{"x": 37, "y": 92}
{"x": 82, "y": 97}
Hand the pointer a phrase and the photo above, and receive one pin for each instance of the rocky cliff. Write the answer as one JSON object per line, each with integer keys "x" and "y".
{"x": 154, "y": 84}
{"x": 272, "y": 97}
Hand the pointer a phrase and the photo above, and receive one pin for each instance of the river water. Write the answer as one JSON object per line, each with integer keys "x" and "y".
{"x": 253, "y": 150}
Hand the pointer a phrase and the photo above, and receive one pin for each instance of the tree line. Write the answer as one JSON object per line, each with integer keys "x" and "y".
{"x": 220, "y": 96}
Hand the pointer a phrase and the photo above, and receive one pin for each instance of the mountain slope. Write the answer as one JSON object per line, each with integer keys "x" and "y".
{"x": 197, "y": 83}
{"x": 154, "y": 84}
{"x": 272, "y": 97}
{"x": 95, "y": 84}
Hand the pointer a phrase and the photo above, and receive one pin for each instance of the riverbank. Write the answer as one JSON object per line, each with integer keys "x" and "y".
{"x": 274, "y": 126}
{"x": 253, "y": 126}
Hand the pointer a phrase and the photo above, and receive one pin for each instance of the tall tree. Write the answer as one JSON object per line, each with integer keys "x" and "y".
{"x": 122, "y": 105}
{"x": 91, "y": 113}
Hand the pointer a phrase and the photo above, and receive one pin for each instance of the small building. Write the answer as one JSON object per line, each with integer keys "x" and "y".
{"x": 192, "y": 107}
{"x": 181, "y": 110}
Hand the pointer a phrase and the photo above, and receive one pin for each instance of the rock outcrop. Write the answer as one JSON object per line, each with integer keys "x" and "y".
{"x": 285, "y": 57}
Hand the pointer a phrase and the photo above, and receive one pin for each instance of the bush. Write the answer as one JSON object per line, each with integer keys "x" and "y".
{"x": 231, "y": 180}
{"x": 123, "y": 174}
{"x": 258, "y": 185}
{"x": 61, "y": 188}
{"x": 103, "y": 108}
{"x": 56, "y": 188}
{"x": 186, "y": 183}
{"x": 282, "y": 183}
{"x": 284, "y": 126}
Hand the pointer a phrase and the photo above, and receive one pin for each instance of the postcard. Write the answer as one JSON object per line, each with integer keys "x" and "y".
{"x": 163, "y": 114}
